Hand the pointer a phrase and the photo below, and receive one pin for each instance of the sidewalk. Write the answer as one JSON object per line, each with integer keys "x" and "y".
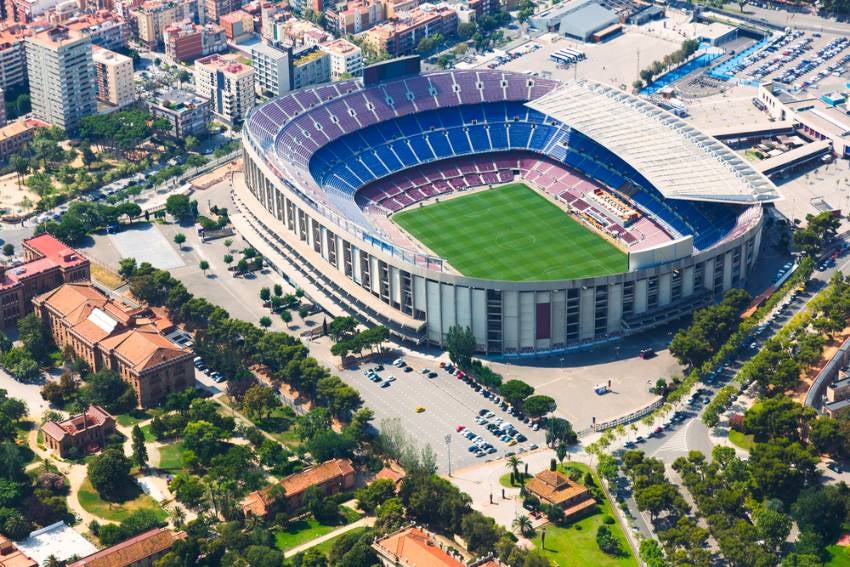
{"x": 367, "y": 522}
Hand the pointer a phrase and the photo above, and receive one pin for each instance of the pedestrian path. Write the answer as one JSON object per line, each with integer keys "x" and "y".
{"x": 361, "y": 523}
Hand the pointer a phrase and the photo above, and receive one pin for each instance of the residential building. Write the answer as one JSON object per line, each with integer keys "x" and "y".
{"x": 356, "y": 16}
{"x": 395, "y": 8}
{"x": 126, "y": 339}
{"x": 80, "y": 434}
{"x": 2, "y": 108}
{"x": 331, "y": 477}
{"x": 142, "y": 550}
{"x": 188, "y": 113}
{"x": 153, "y": 16}
{"x": 271, "y": 69}
{"x": 310, "y": 66}
{"x": 15, "y": 135}
{"x": 228, "y": 84}
{"x": 186, "y": 41}
{"x": 104, "y": 28}
{"x": 237, "y": 24}
{"x": 13, "y": 56}
{"x": 47, "y": 264}
{"x": 114, "y": 77}
{"x": 302, "y": 6}
{"x": 215, "y": 9}
{"x": 299, "y": 33}
{"x": 270, "y": 14}
{"x": 413, "y": 546}
{"x": 401, "y": 36}
{"x": 11, "y": 556}
{"x": 346, "y": 59}
{"x": 61, "y": 76}
{"x": 25, "y": 11}
{"x": 557, "y": 489}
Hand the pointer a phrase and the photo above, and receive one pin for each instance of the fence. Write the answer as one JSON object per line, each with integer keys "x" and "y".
{"x": 629, "y": 418}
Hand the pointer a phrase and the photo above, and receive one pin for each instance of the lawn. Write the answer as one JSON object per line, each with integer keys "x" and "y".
{"x": 741, "y": 440}
{"x": 171, "y": 456}
{"x": 132, "y": 418}
{"x": 105, "y": 276}
{"x": 575, "y": 545}
{"x": 149, "y": 436}
{"x": 302, "y": 531}
{"x": 839, "y": 556}
{"x": 137, "y": 500}
{"x": 505, "y": 480}
{"x": 325, "y": 546}
{"x": 511, "y": 233}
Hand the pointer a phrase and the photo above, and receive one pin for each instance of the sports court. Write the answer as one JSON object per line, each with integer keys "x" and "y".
{"x": 511, "y": 233}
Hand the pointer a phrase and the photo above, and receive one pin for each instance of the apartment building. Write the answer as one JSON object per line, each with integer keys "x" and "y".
{"x": 47, "y": 264}
{"x": 153, "y": 16}
{"x": 302, "y": 6}
{"x": 346, "y": 59}
{"x": 237, "y": 24}
{"x": 13, "y": 56}
{"x": 228, "y": 84}
{"x": 25, "y": 11}
{"x": 215, "y": 9}
{"x": 114, "y": 77}
{"x": 299, "y": 33}
{"x": 188, "y": 113}
{"x": 401, "y": 36}
{"x": 356, "y": 16}
{"x": 126, "y": 339}
{"x": 105, "y": 29}
{"x": 61, "y": 76}
{"x": 270, "y": 14}
{"x": 186, "y": 41}
{"x": 271, "y": 69}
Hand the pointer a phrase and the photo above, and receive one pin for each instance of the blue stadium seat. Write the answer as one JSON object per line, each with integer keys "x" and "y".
{"x": 459, "y": 141}
{"x": 498, "y": 135}
{"x": 420, "y": 148}
{"x": 479, "y": 139}
{"x": 440, "y": 144}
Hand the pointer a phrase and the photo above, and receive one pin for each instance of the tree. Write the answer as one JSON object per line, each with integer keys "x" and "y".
{"x": 34, "y": 336}
{"x": 228, "y": 258}
{"x": 265, "y": 294}
{"x": 8, "y": 249}
{"x": 538, "y": 406}
{"x": 522, "y": 524}
{"x": 773, "y": 527}
{"x": 105, "y": 388}
{"x": 265, "y": 322}
{"x": 190, "y": 142}
{"x": 460, "y": 342}
{"x": 515, "y": 392}
{"x": 278, "y": 290}
{"x": 140, "y": 452}
{"x": 179, "y": 206}
{"x": 479, "y": 532}
{"x": 204, "y": 266}
{"x": 87, "y": 155}
{"x": 21, "y": 165}
{"x": 370, "y": 497}
{"x": 514, "y": 463}
{"x": 109, "y": 474}
{"x": 286, "y": 317}
{"x": 260, "y": 401}
{"x": 179, "y": 239}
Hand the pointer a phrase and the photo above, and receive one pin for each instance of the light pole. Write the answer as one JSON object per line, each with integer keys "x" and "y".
{"x": 448, "y": 440}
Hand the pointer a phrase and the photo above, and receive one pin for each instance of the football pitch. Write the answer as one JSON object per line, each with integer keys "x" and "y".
{"x": 511, "y": 233}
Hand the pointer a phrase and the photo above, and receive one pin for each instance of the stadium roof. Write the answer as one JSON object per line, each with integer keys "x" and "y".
{"x": 679, "y": 160}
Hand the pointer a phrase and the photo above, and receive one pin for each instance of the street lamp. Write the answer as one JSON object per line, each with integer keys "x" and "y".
{"x": 448, "y": 440}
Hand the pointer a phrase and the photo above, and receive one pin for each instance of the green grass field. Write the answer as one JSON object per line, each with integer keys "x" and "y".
{"x": 511, "y": 233}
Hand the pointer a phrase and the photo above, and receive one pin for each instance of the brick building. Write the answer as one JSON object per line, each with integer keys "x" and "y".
{"x": 557, "y": 489}
{"x": 48, "y": 263}
{"x": 186, "y": 41}
{"x": 86, "y": 432}
{"x": 142, "y": 550}
{"x": 15, "y": 135}
{"x": 402, "y": 35}
{"x": 356, "y": 16}
{"x": 331, "y": 477}
{"x": 11, "y": 556}
{"x": 125, "y": 339}
{"x": 413, "y": 546}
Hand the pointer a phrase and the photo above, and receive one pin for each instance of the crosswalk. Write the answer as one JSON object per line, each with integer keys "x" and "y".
{"x": 675, "y": 445}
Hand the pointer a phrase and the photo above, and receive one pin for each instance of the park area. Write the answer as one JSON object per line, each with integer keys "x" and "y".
{"x": 575, "y": 544}
{"x": 511, "y": 233}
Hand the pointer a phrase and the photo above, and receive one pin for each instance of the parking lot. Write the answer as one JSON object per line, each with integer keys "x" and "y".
{"x": 436, "y": 405}
{"x": 797, "y": 58}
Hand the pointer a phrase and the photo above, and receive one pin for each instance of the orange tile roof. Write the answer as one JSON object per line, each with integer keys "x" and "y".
{"x": 143, "y": 347}
{"x": 133, "y": 550}
{"x": 555, "y": 487}
{"x": 69, "y": 298}
{"x": 414, "y": 547}
{"x": 329, "y": 470}
{"x": 94, "y": 416}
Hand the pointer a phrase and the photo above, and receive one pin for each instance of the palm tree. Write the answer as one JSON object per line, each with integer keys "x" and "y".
{"x": 513, "y": 463}
{"x": 522, "y": 523}
{"x": 21, "y": 165}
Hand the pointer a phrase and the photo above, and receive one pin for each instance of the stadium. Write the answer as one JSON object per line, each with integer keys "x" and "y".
{"x": 543, "y": 215}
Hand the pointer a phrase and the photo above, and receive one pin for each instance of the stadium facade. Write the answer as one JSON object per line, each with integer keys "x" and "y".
{"x": 326, "y": 167}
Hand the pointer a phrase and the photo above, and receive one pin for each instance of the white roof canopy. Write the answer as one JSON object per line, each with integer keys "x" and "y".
{"x": 679, "y": 160}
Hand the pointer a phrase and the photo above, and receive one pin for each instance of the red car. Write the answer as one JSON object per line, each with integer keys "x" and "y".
{"x": 460, "y": 428}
